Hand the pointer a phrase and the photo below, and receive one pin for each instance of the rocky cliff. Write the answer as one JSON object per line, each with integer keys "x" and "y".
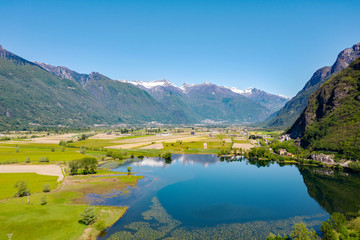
{"x": 331, "y": 121}
{"x": 287, "y": 115}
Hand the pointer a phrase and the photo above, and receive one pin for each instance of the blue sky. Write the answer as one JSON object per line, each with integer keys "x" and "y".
{"x": 272, "y": 45}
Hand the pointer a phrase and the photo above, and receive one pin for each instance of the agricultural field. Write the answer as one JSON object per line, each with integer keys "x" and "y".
{"x": 31, "y": 150}
{"x": 14, "y": 153}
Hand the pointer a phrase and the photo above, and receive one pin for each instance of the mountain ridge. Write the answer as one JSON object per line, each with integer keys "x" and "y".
{"x": 272, "y": 101}
{"x": 288, "y": 114}
{"x": 331, "y": 121}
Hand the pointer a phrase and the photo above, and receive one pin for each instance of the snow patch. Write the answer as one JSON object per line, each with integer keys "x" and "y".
{"x": 242, "y": 92}
{"x": 152, "y": 84}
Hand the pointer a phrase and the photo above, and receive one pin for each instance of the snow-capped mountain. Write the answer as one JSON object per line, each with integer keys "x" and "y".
{"x": 161, "y": 88}
{"x": 152, "y": 84}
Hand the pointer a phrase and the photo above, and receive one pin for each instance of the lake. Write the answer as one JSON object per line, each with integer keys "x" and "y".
{"x": 207, "y": 197}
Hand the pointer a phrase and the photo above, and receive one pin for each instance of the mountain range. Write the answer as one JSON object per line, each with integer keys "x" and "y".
{"x": 41, "y": 94}
{"x": 287, "y": 115}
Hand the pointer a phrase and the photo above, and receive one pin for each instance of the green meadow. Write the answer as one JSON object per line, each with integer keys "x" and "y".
{"x": 12, "y": 153}
{"x": 35, "y": 182}
{"x": 58, "y": 218}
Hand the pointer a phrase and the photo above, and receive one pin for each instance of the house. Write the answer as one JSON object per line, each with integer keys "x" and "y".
{"x": 285, "y": 137}
{"x": 282, "y": 152}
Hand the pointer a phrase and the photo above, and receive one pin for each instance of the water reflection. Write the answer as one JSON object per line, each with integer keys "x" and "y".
{"x": 336, "y": 191}
{"x": 185, "y": 160}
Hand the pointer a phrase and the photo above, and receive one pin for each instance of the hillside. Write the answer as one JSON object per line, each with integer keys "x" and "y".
{"x": 39, "y": 94}
{"x": 127, "y": 102}
{"x": 210, "y": 101}
{"x": 287, "y": 115}
{"x": 331, "y": 121}
{"x": 219, "y": 103}
{"x": 29, "y": 94}
{"x": 271, "y": 101}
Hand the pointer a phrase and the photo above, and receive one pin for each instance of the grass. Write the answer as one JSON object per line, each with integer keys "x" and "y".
{"x": 34, "y": 181}
{"x": 213, "y": 146}
{"x": 9, "y": 154}
{"x": 100, "y": 143}
{"x": 58, "y": 219}
{"x": 41, "y": 222}
{"x": 51, "y": 221}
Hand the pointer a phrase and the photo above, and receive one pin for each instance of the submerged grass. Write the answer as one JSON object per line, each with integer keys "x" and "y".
{"x": 158, "y": 224}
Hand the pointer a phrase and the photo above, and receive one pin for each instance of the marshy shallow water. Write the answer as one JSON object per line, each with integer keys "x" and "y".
{"x": 205, "y": 197}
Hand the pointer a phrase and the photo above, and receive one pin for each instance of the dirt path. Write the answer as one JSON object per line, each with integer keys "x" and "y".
{"x": 52, "y": 170}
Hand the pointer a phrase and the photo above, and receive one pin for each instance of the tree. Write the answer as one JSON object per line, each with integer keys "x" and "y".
{"x": 46, "y": 187}
{"x": 74, "y": 166}
{"x": 327, "y": 231}
{"x": 22, "y": 188}
{"x": 344, "y": 233}
{"x": 337, "y": 220}
{"x": 301, "y": 232}
{"x": 277, "y": 237}
{"x": 83, "y": 137}
{"x": 87, "y": 165}
{"x": 88, "y": 216}
{"x": 27, "y": 159}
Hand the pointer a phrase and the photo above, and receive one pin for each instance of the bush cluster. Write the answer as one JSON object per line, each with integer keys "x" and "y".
{"x": 87, "y": 165}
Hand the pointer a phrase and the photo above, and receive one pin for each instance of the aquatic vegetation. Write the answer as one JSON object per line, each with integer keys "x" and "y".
{"x": 159, "y": 224}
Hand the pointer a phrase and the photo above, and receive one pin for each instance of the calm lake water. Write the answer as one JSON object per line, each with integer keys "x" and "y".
{"x": 203, "y": 197}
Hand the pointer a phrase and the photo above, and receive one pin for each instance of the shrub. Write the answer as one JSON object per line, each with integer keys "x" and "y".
{"x": 46, "y": 187}
{"x": 100, "y": 226}
{"x": 117, "y": 155}
{"x": 17, "y": 149}
{"x": 27, "y": 159}
{"x": 82, "y": 150}
{"x": 43, "y": 200}
{"x": 88, "y": 216}
{"x": 22, "y": 189}
{"x": 355, "y": 166}
{"x": 83, "y": 137}
{"x": 129, "y": 170}
{"x": 52, "y": 149}
{"x": 167, "y": 157}
{"x": 43, "y": 159}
